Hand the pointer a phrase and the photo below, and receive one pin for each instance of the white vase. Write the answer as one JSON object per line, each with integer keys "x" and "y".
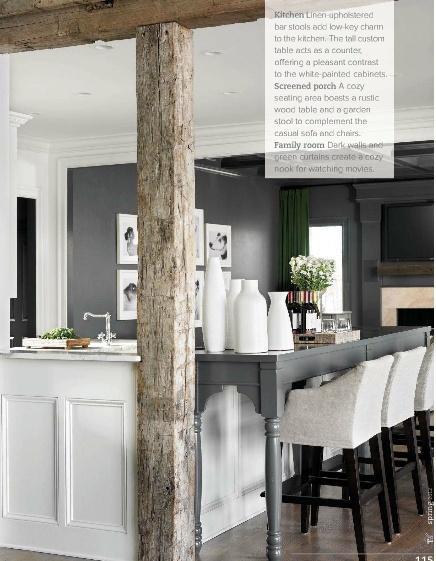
{"x": 214, "y": 307}
{"x": 235, "y": 289}
{"x": 280, "y": 337}
{"x": 251, "y": 333}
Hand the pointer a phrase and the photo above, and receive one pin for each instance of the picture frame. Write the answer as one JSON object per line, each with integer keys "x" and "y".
{"x": 219, "y": 243}
{"x": 127, "y": 284}
{"x": 199, "y": 237}
{"x": 199, "y": 288}
{"x": 127, "y": 239}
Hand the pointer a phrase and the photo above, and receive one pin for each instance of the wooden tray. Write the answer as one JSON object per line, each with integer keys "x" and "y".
{"x": 38, "y": 343}
{"x": 327, "y": 337}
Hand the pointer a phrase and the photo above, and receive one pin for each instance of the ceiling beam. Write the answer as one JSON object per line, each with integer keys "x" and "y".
{"x": 19, "y": 7}
{"x": 82, "y": 23}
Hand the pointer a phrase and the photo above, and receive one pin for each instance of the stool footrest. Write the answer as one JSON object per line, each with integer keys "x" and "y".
{"x": 316, "y": 501}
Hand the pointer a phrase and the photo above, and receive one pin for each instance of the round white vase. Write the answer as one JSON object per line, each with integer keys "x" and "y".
{"x": 214, "y": 307}
{"x": 280, "y": 337}
{"x": 251, "y": 332}
{"x": 235, "y": 289}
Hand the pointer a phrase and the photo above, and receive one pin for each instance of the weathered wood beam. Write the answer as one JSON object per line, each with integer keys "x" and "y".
{"x": 20, "y": 7}
{"x": 165, "y": 329}
{"x": 80, "y": 25}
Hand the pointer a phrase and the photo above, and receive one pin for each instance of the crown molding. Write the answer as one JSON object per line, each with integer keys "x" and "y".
{"x": 33, "y": 144}
{"x": 214, "y": 141}
{"x": 411, "y": 124}
{"x": 18, "y": 119}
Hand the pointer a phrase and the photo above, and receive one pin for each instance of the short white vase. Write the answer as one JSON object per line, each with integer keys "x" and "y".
{"x": 214, "y": 307}
{"x": 235, "y": 289}
{"x": 251, "y": 332}
{"x": 280, "y": 337}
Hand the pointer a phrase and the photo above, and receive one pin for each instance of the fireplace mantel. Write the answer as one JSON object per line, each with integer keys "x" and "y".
{"x": 405, "y": 268}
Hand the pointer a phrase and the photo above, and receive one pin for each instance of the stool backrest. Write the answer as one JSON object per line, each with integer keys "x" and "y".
{"x": 424, "y": 396}
{"x": 369, "y": 397}
{"x": 399, "y": 398}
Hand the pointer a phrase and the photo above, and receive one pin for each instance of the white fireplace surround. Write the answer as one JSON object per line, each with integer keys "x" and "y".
{"x": 393, "y": 298}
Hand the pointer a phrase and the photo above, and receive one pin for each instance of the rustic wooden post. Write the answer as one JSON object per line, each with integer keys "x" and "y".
{"x": 165, "y": 377}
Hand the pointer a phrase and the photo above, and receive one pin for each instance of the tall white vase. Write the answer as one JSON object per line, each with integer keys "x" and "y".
{"x": 235, "y": 289}
{"x": 280, "y": 337}
{"x": 214, "y": 307}
{"x": 251, "y": 333}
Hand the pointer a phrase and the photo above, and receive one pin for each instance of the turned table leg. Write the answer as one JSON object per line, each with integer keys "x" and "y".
{"x": 198, "y": 482}
{"x": 273, "y": 487}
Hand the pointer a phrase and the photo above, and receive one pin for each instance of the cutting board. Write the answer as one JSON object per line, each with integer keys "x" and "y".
{"x": 67, "y": 344}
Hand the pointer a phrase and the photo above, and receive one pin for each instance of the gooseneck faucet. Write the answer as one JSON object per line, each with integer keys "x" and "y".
{"x": 107, "y": 337}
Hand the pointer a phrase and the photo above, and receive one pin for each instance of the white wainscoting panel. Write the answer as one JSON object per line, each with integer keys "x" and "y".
{"x": 30, "y": 458}
{"x": 96, "y": 464}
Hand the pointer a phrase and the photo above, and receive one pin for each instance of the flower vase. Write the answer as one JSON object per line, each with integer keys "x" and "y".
{"x": 235, "y": 289}
{"x": 214, "y": 307}
{"x": 280, "y": 337}
{"x": 251, "y": 325}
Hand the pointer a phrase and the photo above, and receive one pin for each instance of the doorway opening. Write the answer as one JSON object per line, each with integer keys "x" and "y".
{"x": 23, "y": 307}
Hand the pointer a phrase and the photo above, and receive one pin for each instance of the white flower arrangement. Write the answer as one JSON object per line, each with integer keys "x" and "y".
{"x": 312, "y": 273}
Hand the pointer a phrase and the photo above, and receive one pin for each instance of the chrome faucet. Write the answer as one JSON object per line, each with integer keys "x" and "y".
{"x": 107, "y": 337}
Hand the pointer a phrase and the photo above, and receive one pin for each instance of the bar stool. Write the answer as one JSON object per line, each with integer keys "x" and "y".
{"x": 424, "y": 404}
{"x": 343, "y": 413}
{"x": 398, "y": 407}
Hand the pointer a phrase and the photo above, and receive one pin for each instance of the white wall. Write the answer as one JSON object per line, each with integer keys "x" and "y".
{"x": 5, "y": 283}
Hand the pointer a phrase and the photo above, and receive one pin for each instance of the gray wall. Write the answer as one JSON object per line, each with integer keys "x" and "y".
{"x": 97, "y": 194}
{"x": 359, "y": 206}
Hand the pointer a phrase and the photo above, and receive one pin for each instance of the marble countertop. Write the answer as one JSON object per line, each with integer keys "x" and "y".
{"x": 119, "y": 351}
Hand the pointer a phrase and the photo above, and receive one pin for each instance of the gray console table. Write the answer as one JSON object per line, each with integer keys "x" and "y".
{"x": 266, "y": 379}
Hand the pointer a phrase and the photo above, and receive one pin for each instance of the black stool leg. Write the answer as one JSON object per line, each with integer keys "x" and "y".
{"x": 352, "y": 468}
{"x": 379, "y": 472}
{"x": 388, "y": 457}
{"x": 316, "y": 468}
{"x": 305, "y": 472}
{"x": 412, "y": 449}
{"x": 424, "y": 429}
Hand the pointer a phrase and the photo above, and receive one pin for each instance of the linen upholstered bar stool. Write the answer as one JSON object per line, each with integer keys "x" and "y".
{"x": 424, "y": 404}
{"x": 399, "y": 407}
{"x": 343, "y": 413}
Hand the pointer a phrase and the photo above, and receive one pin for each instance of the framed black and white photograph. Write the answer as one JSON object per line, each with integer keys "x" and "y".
{"x": 127, "y": 239}
{"x": 199, "y": 286}
{"x": 219, "y": 243}
{"x": 127, "y": 285}
{"x": 199, "y": 237}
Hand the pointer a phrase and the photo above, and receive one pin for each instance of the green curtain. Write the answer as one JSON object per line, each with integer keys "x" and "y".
{"x": 294, "y": 230}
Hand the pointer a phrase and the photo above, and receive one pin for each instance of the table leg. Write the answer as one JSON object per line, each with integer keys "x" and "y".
{"x": 273, "y": 488}
{"x": 198, "y": 482}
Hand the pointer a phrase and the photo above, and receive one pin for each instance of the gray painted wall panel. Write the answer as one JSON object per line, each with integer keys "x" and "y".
{"x": 97, "y": 194}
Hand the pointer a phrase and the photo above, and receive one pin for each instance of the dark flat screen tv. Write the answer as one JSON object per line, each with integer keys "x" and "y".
{"x": 407, "y": 232}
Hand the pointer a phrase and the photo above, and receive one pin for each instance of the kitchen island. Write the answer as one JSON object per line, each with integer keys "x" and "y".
{"x": 69, "y": 440}
{"x": 69, "y": 451}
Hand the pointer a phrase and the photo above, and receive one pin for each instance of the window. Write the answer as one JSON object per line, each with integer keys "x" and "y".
{"x": 327, "y": 242}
